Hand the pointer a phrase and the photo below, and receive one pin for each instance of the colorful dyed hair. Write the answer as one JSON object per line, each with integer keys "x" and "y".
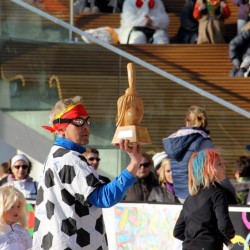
{"x": 201, "y": 170}
{"x": 8, "y": 197}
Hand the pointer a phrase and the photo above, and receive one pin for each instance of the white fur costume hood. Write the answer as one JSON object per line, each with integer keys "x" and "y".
{"x": 135, "y": 16}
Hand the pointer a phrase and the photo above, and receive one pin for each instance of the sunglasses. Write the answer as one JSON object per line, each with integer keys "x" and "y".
{"x": 21, "y": 166}
{"x": 94, "y": 158}
{"x": 145, "y": 165}
{"x": 78, "y": 122}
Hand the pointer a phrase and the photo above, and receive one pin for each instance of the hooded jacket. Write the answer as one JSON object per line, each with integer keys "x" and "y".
{"x": 179, "y": 148}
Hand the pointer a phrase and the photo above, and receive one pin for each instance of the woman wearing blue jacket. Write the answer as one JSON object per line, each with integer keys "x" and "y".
{"x": 180, "y": 145}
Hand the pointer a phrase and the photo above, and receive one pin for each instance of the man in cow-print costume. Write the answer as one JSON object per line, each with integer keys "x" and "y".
{"x": 70, "y": 193}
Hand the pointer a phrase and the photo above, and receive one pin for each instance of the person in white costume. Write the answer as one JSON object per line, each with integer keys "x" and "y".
{"x": 13, "y": 220}
{"x": 143, "y": 21}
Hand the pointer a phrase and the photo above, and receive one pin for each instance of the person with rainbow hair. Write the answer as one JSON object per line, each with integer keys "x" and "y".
{"x": 204, "y": 221}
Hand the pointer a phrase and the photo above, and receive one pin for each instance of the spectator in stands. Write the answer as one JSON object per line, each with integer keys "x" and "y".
{"x": 242, "y": 179}
{"x": 180, "y": 146}
{"x": 143, "y": 21}
{"x": 19, "y": 177}
{"x": 211, "y": 16}
{"x": 119, "y": 5}
{"x": 239, "y": 53}
{"x": 157, "y": 160}
{"x": 188, "y": 31}
{"x": 4, "y": 172}
{"x": 93, "y": 6}
{"x": 85, "y": 6}
{"x": 165, "y": 192}
{"x": 204, "y": 221}
{"x": 146, "y": 180}
{"x": 243, "y": 13}
{"x": 92, "y": 156}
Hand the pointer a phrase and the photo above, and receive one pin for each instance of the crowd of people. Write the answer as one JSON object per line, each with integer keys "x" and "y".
{"x": 201, "y": 22}
{"x": 190, "y": 171}
{"x": 148, "y": 22}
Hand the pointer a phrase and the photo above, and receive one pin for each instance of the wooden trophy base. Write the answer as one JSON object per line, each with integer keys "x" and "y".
{"x": 133, "y": 133}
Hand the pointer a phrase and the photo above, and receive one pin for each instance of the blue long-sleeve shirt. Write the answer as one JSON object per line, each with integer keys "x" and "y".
{"x": 111, "y": 193}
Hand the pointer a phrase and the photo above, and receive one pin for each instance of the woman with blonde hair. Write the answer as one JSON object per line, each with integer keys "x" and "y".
{"x": 180, "y": 145}
{"x": 164, "y": 192}
{"x": 204, "y": 221}
{"x": 13, "y": 220}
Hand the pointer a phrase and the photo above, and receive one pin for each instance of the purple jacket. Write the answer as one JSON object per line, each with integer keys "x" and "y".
{"x": 244, "y": 9}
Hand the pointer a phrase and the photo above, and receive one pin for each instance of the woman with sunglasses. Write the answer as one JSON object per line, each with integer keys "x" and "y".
{"x": 20, "y": 167}
{"x": 165, "y": 192}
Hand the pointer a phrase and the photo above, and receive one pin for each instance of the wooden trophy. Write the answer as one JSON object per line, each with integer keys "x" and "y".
{"x": 130, "y": 110}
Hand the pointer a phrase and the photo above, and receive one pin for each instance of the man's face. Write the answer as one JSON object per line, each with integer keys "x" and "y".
{"x": 79, "y": 135}
{"x": 144, "y": 169}
{"x": 93, "y": 160}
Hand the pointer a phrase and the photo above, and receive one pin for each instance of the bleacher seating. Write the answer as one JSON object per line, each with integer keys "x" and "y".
{"x": 61, "y": 10}
{"x": 90, "y": 21}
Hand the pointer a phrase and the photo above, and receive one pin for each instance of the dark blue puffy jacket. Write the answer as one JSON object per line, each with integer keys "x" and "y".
{"x": 179, "y": 148}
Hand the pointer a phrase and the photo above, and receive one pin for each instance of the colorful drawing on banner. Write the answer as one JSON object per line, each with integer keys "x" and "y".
{"x": 151, "y": 226}
{"x": 245, "y": 220}
{"x": 247, "y": 243}
{"x": 240, "y": 220}
{"x": 31, "y": 218}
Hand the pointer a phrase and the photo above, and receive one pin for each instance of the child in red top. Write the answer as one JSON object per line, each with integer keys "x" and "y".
{"x": 211, "y": 15}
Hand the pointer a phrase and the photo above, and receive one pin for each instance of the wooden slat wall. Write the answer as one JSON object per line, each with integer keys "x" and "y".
{"x": 101, "y": 78}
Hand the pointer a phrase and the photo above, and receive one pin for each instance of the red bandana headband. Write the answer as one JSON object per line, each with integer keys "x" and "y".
{"x": 71, "y": 112}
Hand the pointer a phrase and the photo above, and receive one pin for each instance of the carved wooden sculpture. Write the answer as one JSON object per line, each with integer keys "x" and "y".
{"x": 130, "y": 106}
{"x": 130, "y": 110}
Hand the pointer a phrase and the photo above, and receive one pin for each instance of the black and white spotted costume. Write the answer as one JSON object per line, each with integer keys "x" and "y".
{"x": 64, "y": 219}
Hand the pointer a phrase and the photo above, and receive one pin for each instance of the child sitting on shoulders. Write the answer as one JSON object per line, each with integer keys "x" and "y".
{"x": 204, "y": 221}
{"x": 13, "y": 220}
